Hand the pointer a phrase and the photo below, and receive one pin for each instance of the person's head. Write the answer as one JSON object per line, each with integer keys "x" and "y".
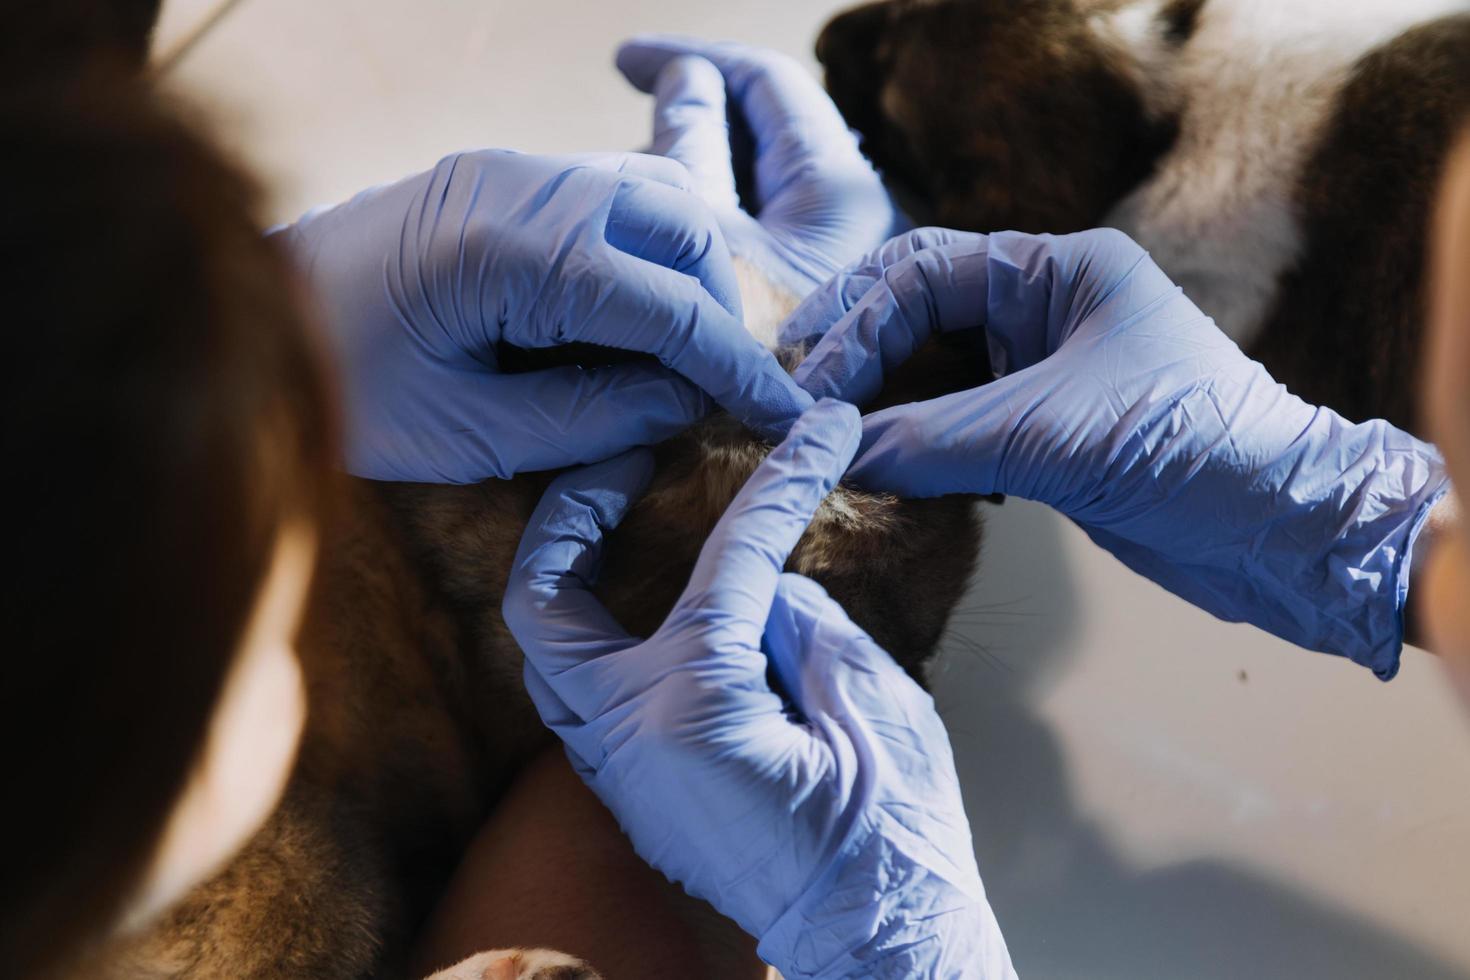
{"x": 1447, "y": 407}
{"x": 169, "y": 439}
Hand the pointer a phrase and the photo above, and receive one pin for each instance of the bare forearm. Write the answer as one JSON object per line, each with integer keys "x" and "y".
{"x": 551, "y": 869}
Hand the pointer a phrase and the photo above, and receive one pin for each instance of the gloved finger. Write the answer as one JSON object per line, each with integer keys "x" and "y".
{"x": 668, "y": 314}
{"x": 663, "y": 169}
{"x": 562, "y": 720}
{"x": 548, "y": 605}
{"x": 1042, "y": 288}
{"x": 959, "y": 443}
{"x": 690, "y": 126}
{"x": 823, "y": 659}
{"x": 675, "y": 229}
{"x": 932, "y": 290}
{"x": 582, "y": 669}
{"x": 483, "y": 425}
{"x": 667, "y": 170}
{"x": 650, "y": 212}
{"x": 829, "y": 303}
{"x": 792, "y": 118}
{"x": 852, "y": 691}
{"x": 1031, "y": 293}
{"x": 737, "y": 569}
{"x": 1018, "y": 434}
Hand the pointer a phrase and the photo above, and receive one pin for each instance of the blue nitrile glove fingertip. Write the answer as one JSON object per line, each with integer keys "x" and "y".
{"x": 641, "y": 57}
{"x": 780, "y": 403}
{"x": 828, "y": 423}
{"x": 839, "y": 420}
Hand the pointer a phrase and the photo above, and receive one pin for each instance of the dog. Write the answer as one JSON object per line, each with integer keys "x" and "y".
{"x": 417, "y": 715}
{"x": 1278, "y": 158}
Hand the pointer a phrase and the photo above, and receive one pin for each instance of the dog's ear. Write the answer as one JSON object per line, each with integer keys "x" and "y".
{"x": 848, "y": 45}
{"x": 853, "y": 31}
{"x": 851, "y": 50}
{"x": 1179, "y": 19}
{"x": 1055, "y": 162}
{"x": 998, "y": 115}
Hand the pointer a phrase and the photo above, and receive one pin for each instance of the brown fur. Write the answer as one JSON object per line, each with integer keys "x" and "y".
{"x": 1366, "y": 198}
{"x": 1011, "y": 114}
{"x": 417, "y": 713}
{"x": 992, "y": 114}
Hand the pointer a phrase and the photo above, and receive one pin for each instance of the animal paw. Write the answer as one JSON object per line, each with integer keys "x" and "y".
{"x": 518, "y": 964}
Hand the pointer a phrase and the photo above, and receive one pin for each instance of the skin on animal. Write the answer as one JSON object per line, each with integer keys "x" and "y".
{"x": 417, "y": 719}
{"x": 1278, "y": 158}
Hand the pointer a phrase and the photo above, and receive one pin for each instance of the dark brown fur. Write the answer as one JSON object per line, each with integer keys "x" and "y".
{"x": 418, "y": 717}
{"x": 1007, "y": 114}
{"x": 1357, "y": 295}
{"x": 991, "y": 114}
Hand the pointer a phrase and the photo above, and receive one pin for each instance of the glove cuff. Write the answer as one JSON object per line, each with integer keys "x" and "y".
{"x": 1354, "y": 596}
{"x": 1327, "y": 567}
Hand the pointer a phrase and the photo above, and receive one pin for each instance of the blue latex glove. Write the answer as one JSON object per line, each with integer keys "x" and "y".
{"x": 417, "y": 282}
{"x": 818, "y": 202}
{"x": 831, "y": 828}
{"x": 1125, "y": 408}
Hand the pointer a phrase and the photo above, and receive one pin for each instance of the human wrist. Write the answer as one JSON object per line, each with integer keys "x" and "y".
{"x": 1348, "y": 597}
{"x": 1439, "y": 533}
{"x": 1441, "y": 583}
{"x": 878, "y": 915}
{"x": 1444, "y": 585}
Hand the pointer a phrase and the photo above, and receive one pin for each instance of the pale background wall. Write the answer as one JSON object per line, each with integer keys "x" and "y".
{"x": 1154, "y": 794}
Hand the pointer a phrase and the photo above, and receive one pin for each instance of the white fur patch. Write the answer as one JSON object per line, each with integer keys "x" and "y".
{"x": 1255, "y": 85}
{"x": 766, "y": 304}
{"x": 1135, "y": 33}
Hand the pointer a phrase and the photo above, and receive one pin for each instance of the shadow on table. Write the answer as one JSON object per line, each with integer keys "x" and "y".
{"x": 1068, "y": 903}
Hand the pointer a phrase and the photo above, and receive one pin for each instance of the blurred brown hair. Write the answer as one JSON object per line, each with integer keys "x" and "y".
{"x": 164, "y": 414}
{"x": 60, "y": 38}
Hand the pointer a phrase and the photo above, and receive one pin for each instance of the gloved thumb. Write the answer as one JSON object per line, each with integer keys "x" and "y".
{"x": 830, "y": 668}
{"x": 880, "y": 725}
{"x": 690, "y": 125}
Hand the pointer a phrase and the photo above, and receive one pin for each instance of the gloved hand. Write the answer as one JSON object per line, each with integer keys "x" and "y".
{"x": 417, "y": 282}
{"x": 1125, "y": 408}
{"x": 818, "y": 204}
{"x": 831, "y": 828}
